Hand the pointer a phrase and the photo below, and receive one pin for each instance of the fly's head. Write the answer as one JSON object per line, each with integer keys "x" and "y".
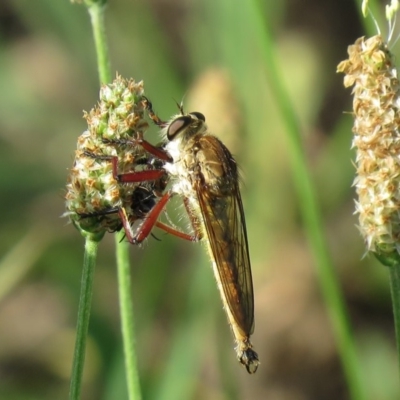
{"x": 184, "y": 127}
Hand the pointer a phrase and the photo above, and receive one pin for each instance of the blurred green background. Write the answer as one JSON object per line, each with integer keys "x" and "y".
{"x": 208, "y": 54}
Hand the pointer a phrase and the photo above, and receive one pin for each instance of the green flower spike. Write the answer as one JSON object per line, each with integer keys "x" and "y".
{"x": 113, "y": 126}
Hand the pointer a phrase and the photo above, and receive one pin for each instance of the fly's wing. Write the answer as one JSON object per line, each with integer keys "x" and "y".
{"x": 217, "y": 187}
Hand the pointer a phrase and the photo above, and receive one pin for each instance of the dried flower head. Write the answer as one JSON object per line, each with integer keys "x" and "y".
{"x": 113, "y": 126}
{"x": 371, "y": 70}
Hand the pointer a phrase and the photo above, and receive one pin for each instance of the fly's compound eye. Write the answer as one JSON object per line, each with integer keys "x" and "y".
{"x": 198, "y": 115}
{"x": 177, "y": 126}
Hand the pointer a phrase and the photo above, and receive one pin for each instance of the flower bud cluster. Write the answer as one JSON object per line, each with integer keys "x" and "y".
{"x": 114, "y": 125}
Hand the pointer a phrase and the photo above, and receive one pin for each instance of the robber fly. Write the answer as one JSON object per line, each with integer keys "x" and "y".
{"x": 204, "y": 173}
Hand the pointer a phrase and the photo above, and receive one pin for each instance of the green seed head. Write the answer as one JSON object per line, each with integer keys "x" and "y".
{"x": 113, "y": 127}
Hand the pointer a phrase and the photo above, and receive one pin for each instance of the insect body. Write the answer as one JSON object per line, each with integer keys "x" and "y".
{"x": 205, "y": 174}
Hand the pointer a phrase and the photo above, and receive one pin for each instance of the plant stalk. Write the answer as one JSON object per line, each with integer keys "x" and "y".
{"x": 395, "y": 292}
{"x": 96, "y": 11}
{"x": 85, "y": 300}
{"x": 311, "y": 214}
{"x": 127, "y": 317}
{"x": 97, "y": 17}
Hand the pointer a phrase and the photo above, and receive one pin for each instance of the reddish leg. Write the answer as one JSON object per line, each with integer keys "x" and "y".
{"x": 129, "y": 177}
{"x": 151, "y": 220}
{"x": 125, "y": 222}
{"x": 175, "y": 232}
{"x": 155, "y": 151}
{"x": 145, "y": 228}
{"x": 139, "y": 176}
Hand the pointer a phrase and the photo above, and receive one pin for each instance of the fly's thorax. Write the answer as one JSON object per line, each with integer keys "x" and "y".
{"x": 181, "y": 168}
{"x": 217, "y": 166}
{"x": 180, "y": 178}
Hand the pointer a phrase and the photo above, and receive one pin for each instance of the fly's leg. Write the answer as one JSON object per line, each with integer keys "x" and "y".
{"x": 153, "y": 116}
{"x": 127, "y": 226}
{"x": 176, "y": 232}
{"x": 129, "y": 177}
{"x": 108, "y": 211}
{"x": 151, "y": 220}
{"x": 195, "y": 221}
{"x": 153, "y": 150}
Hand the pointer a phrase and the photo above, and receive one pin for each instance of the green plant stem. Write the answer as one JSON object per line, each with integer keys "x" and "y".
{"x": 97, "y": 14}
{"x": 96, "y": 11}
{"x": 127, "y": 317}
{"x": 395, "y": 291}
{"x": 85, "y": 299}
{"x": 311, "y": 214}
{"x": 392, "y": 261}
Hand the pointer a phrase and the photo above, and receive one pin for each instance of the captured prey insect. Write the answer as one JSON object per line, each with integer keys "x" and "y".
{"x": 204, "y": 173}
